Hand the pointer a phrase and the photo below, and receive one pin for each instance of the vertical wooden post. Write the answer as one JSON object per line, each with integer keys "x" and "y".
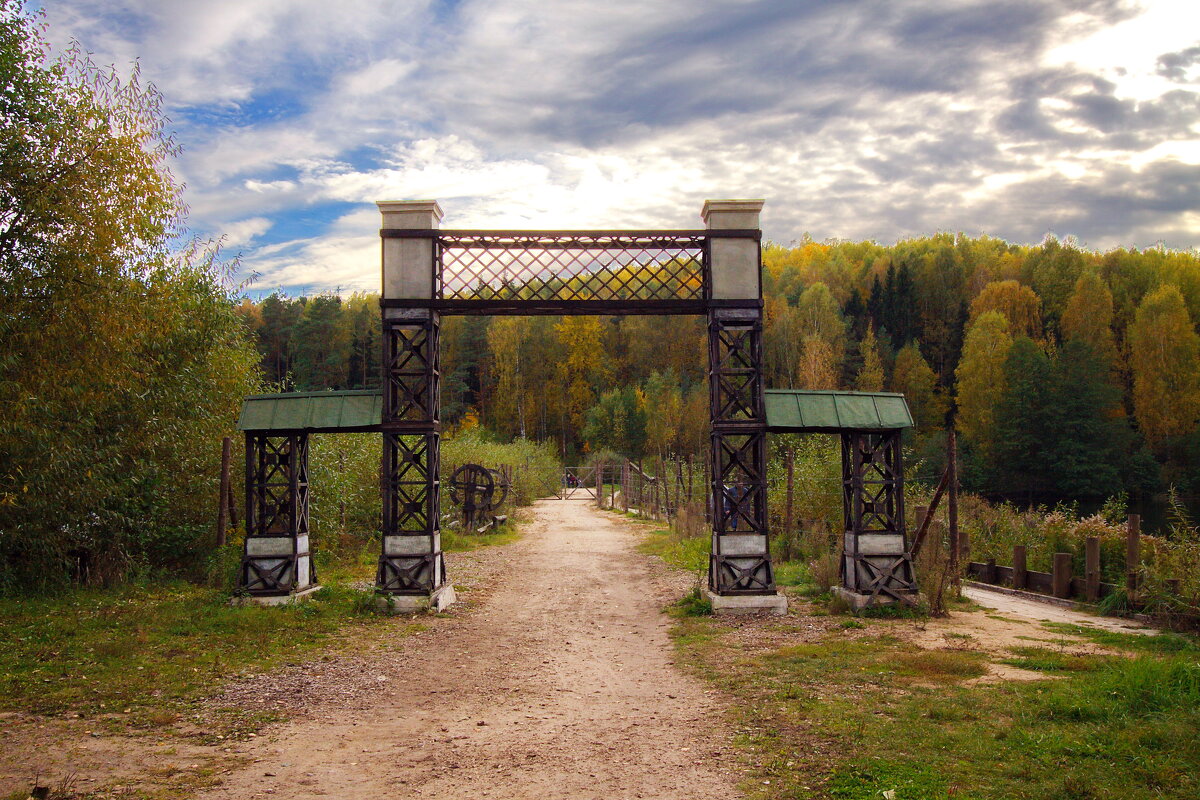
{"x": 1060, "y": 579}
{"x": 624, "y": 486}
{"x": 1132, "y": 556}
{"x": 1020, "y": 575}
{"x": 599, "y": 484}
{"x": 226, "y": 490}
{"x": 678, "y": 483}
{"x": 952, "y": 504}
{"x": 788, "y": 534}
{"x": 1091, "y": 571}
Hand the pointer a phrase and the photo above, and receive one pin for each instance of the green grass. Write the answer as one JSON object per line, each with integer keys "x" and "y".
{"x": 1043, "y": 659}
{"x": 793, "y": 573}
{"x": 690, "y": 553}
{"x": 141, "y": 655}
{"x": 692, "y": 604}
{"x": 852, "y": 718}
{"x": 143, "y": 651}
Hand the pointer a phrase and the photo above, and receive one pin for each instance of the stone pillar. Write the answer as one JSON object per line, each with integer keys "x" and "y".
{"x": 876, "y": 563}
{"x": 411, "y": 570}
{"x": 740, "y": 576}
{"x": 276, "y": 563}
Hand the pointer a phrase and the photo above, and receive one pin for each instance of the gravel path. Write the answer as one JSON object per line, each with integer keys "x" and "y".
{"x": 559, "y": 683}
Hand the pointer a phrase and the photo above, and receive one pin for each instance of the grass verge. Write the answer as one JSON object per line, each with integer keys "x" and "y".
{"x": 141, "y": 655}
{"x": 851, "y": 709}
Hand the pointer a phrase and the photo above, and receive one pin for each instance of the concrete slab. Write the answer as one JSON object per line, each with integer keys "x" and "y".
{"x": 748, "y": 603}
{"x": 440, "y": 600}
{"x": 274, "y": 600}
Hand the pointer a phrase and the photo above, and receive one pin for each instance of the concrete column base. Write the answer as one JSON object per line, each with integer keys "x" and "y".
{"x": 274, "y": 599}
{"x": 775, "y": 604}
{"x": 858, "y": 601}
{"x": 440, "y": 600}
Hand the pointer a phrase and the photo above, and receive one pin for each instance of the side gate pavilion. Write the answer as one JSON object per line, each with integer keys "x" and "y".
{"x": 715, "y": 272}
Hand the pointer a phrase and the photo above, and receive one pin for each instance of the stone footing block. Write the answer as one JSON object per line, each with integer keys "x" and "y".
{"x": 748, "y": 603}
{"x": 274, "y": 599}
{"x": 440, "y": 600}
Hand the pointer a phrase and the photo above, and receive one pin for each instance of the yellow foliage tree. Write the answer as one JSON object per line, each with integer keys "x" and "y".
{"x": 1019, "y": 304}
{"x": 980, "y": 376}
{"x": 870, "y": 377}
{"x": 914, "y": 378}
{"x": 1165, "y": 356}
{"x": 1089, "y": 315}
{"x": 818, "y": 365}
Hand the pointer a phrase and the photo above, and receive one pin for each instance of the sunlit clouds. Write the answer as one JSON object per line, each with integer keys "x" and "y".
{"x": 871, "y": 120}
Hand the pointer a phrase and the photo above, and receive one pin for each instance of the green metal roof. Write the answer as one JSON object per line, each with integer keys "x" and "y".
{"x": 801, "y": 411}
{"x": 359, "y": 410}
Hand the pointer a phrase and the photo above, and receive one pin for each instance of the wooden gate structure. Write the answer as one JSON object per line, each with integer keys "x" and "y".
{"x": 429, "y": 273}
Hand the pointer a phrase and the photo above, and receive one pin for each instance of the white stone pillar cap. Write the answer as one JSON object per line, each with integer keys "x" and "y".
{"x": 732, "y": 207}
{"x": 410, "y": 213}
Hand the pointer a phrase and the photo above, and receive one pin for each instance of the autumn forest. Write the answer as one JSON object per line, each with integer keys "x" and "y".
{"x": 1070, "y": 373}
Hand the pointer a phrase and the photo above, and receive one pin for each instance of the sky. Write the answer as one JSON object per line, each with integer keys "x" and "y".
{"x": 871, "y": 119}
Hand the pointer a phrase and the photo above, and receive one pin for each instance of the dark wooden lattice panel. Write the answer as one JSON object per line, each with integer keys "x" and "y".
{"x": 276, "y": 556}
{"x": 735, "y": 370}
{"x": 739, "y": 483}
{"x": 876, "y": 562}
{"x": 411, "y": 370}
{"x": 872, "y": 483}
{"x": 278, "y": 491}
{"x": 410, "y": 503}
{"x": 570, "y": 265}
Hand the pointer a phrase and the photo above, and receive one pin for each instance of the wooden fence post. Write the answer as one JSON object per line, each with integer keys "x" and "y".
{"x": 625, "y": 486}
{"x": 788, "y": 536}
{"x": 952, "y": 506}
{"x": 1060, "y": 579}
{"x": 1020, "y": 575}
{"x": 1132, "y": 557}
{"x": 226, "y": 491}
{"x": 1091, "y": 570}
{"x": 599, "y": 484}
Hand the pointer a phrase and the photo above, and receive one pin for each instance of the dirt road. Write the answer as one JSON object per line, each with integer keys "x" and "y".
{"x": 561, "y": 684}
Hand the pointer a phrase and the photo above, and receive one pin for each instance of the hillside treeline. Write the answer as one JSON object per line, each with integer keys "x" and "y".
{"x": 1071, "y": 373}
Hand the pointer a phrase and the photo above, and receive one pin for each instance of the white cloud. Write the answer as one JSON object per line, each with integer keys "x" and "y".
{"x": 869, "y": 119}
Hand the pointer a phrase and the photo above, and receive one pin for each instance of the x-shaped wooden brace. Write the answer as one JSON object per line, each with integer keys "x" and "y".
{"x": 406, "y": 577}
{"x": 879, "y": 578}
{"x": 270, "y": 578}
{"x": 743, "y": 576}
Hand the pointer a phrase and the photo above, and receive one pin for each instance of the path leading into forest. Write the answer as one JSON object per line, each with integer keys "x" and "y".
{"x": 561, "y": 684}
